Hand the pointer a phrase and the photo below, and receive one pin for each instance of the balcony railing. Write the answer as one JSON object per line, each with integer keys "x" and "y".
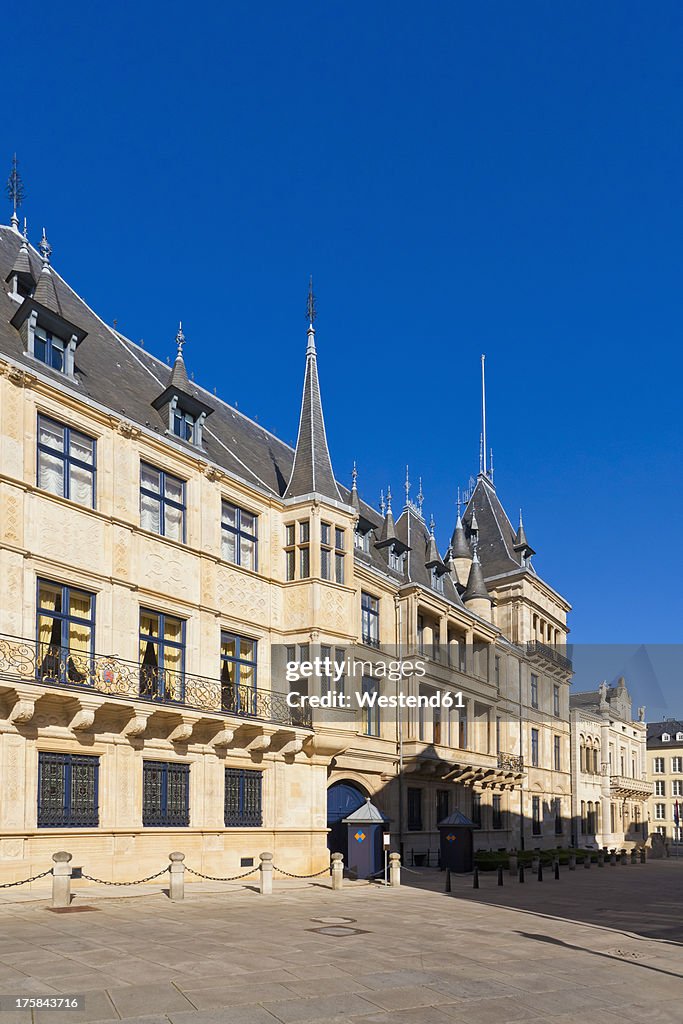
{"x": 550, "y": 654}
{"x": 36, "y": 662}
{"x": 637, "y": 787}
{"x": 510, "y": 762}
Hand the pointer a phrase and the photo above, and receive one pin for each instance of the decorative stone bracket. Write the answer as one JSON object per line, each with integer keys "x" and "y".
{"x": 183, "y": 731}
{"x": 136, "y": 725}
{"x": 24, "y": 708}
{"x": 84, "y": 717}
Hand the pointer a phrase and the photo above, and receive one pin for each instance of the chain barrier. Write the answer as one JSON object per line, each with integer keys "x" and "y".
{"x": 214, "y": 878}
{"x": 325, "y": 871}
{"x": 25, "y": 881}
{"x": 138, "y": 881}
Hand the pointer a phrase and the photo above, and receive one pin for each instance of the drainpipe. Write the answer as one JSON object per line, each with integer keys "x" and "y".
{"x": 399, "y": 725}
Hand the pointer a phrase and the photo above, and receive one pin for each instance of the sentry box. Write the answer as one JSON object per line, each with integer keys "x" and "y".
{"x": 457, "y": 847}
{"x": 365, "y": 835}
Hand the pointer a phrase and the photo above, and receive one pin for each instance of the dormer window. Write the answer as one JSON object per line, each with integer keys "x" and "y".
{"x": 437, "y": 580}
{"x": 361, "y": 541}
{"x": 396, "y": 559}
{"x": 47, "y": 336}
{"x": 666, "y": 738}
{"x": 679, "y": 737}
{"x": 180, "y": 404}
{"x": 186, "y": 427}
{"x": 49, "y": 348}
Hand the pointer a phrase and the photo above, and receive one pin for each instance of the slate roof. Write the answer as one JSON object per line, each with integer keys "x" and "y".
{"x": 655, "y": 730}
{"x": 366, "y": 814}
{"x": 496, "y": 534}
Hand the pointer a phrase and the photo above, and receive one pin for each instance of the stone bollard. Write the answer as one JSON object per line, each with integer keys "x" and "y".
{"x": 535, "y": 861}
{"x": 475, "y": 879}
{"x": 634, "y": 856}
{"x": 643, "y": 855}
{"x": 601, "y": 858}
{"x": 513, "y": 864}
{"x": 613, "y": 858}
{"x": 587, "y": 860}
{"x": 61, "y": 879}
{"x": 667, "y": 849}
{"x": 337, "y": 870}
{"x": 624, "y": 858}
{"x": 500, "y": 875}
{"x": 394, "y": 869}
{"x": 556, "y": 868}
{"x": 176, "y": 885}
{"x": 572, "y": 862}
{"x": 448, "y": 880}
{"x": 266, "y": 874}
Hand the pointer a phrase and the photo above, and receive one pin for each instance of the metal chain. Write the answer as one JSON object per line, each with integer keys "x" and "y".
{"x": 213, "y": 878}
{"x": 25, "y": 881}
{"x": 138, "y": 881}
{"x": 325, "y": 871}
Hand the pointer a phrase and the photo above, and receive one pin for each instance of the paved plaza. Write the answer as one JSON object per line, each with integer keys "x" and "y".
{"x": 561, "y": 953}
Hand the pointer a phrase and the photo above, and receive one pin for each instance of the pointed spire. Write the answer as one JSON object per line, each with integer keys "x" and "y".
{"x": 521, "y": 543}
{"x": 21, "y": 268}
{"x": 382, "y": 504}
{"x": 312, "y": 467}
{"x": 388, "y": 532}
{"x": 45, "y": 249}
{"x": 15, "y": 191}
{"x": 389, "y": 498}
{"x": 433, "y": 558}
{"x": 459, "y": 546}
{"x": 476, "y": 587}
{"x": 420, "y": 498}
{"x": 407, "y": 487}
{"x": 179, "y": 378}
{"x": 355, "y": 500}
{"x": 482, "y": 469}
{"x": 46, "y": 292}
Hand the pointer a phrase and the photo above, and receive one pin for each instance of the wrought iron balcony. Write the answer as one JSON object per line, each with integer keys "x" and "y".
{"x": 510, "y": 762}
{"x": 31, "y": 661}
{"x": 549, "y": 654}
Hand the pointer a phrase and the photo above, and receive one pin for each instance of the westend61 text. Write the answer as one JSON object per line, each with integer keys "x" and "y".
{"x": 372, "y": 699}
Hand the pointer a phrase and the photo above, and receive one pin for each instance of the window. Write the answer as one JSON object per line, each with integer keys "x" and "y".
{"x": 556, "y": 701}
{"x": 238, "y": 674}
{"x": 584, "y": 822}
{"x": 290, "y": 553}
{"x": 49, "y": 349}
{"x": 243, "y": 798}
{"x": 536, "y": 815}
{"x": 65, "y": 632}
{"x": 339, "y": 547}
{"x": 442, "y": 804}
{"x": 660, "y": 787}
{"x": 496, "y": 671}
{"x": 660, "y": 811}
{"x": 557, "y": 753}
{"x": 304, "y": 550}
{"x": 66, "y": 462}
{"x": 665, "y": 737}
{"x": 361, "y": 541}
{"x": 67, "y": 790}
{"x": 462, "y": 655}
{"x": 162, "y": 503}
{"x": 559, "y": 824}
{"x": 162, "y": 656}
{"x": 165, "y": 794}
{"x": 462, "y": 728}
{"x": 420, "y": 634}
{"x": 676, "y": 788}
{"x": 414, "y": 809}
{"x": 534, "y": 690}
{"x": 369, "y": 607}
{"x": 658, "y": 765}
{"x": 496, "y": 812}
{"x": 325, "y": 551}
{"x": 239, "y": 541}
{"x": 370, "y": 710}
{"x": 661, "y": 830}
{"x": 396, "y": 559}
{"x": 476, "y": 809}
{"x": 184, "y": 424}
{"x": 332, "y": 680}
{"x": 677, "y": 764}
{"x": 534, "y": 748}
{"x": 437, "y": 580}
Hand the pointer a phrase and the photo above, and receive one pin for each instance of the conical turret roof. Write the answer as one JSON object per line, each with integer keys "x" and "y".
{"x": 476, "y": 588}
{"x": 459, "y": 546}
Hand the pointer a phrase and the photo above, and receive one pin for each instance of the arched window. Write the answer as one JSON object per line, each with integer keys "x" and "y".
{"x": 583, "y": 817}
{"x": 597, "y": 816}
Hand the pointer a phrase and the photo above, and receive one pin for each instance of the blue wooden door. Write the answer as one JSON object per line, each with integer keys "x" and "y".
{"x": 343, "y": 798}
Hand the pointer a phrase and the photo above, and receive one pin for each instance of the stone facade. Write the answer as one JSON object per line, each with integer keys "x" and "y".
{"x": 665, "y": 773}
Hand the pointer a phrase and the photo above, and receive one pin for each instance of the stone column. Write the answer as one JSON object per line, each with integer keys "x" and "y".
{"x": 394, "y": 869}
{"x": 61, "y": 879}
{"x": 337, "y": 870}
{"x": 266, "y": 874}
{"x": 176, "y": 888}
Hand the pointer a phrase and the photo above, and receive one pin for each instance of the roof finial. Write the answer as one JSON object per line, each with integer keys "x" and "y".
{"x": 432, "y": 524}
{"x": 420, "y": 497}
{"x": 354, "y": 477}
{"x": 520, "y": 518}
{"x": 15, "y": 191}
{"x": 382, "y": 506}
{"x": 45, "y": 249}
{"x": 491, "y": 464}
{"x": 389, "y": 499}
{"x": 25, "y": 231}
{"x": 481, "y": 453}
{"x": 459, "y": 502}
{"x": 483, "y": 413}
{"x": 407, "y": 486}
{"x": 310, "y": 305}
{"x": 180, "y": 339}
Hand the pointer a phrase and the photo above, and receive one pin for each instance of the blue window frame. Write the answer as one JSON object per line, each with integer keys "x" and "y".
{"x": 243, "y": 802}
{"x": 162, "y": 656}
{"x": 165, "y": 794}
{"x": 534, "y": 748}
{"x": 183, "y": 425}
{"x": 369, "y": 609}
{"x": 66, "y": 462}
{"x": 371, "y": 721}
{"x": 239, "y": 536}
{"x": 534, "y": 690}
{"x": 65, "y": 633}
{"x": 238, "y": 673}
{"x": 67, "y": 790}
{"x": 49, "y": 349}
{"x": 162, "y": 502}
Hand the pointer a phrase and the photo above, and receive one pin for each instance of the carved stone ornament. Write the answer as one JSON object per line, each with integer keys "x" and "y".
{"x": 23, "y": 711}
{"x": 135, "y": 726}
{"x": 182, "y": 732}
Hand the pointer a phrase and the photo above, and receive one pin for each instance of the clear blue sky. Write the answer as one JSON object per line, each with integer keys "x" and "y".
{"x": 459, "y": 178}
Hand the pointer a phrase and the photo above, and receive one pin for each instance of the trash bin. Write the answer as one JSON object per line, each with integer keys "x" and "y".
{"x": 365, "y": 828}
{"x": 457, "y": 847}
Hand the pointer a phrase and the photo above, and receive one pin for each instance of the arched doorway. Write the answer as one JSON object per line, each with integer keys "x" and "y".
{"x": 342, "y": 799}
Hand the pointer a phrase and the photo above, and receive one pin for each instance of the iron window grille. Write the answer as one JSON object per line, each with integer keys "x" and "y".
{"x": 162, "y": 656}
{"x": 536, "y": 815}
{"x": 534, "y": 748}
{"x": 162, "y": 503}
{"x": 66, "y": 462}
{"x": 67, "y": 790}
{"x": 239, "y": 536}
{"x": 243, "y": 798}
{"x": 238, "y": 673}
{"x": 369, "y": 606}
{"x": 496, "y": 812}
{"x": 165, "y": 794}
{"x": 414, "y": 809}
{"x": 476, "y": 809}
{"x": 65, "y": 633}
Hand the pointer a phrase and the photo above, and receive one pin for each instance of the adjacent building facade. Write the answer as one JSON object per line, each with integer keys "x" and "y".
{"x": 610, "y": 789}
{"x": 162, "y": 557}
{"x": 665, "y": 772}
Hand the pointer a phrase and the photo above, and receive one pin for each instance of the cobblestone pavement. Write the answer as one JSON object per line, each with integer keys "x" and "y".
{"x": 416, "y": 956}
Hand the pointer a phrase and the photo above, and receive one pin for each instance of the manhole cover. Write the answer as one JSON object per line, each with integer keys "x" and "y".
{"x": 334, "y": 920}
{"x": 70, "y": 910}
{"x": 339, "y": 931}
